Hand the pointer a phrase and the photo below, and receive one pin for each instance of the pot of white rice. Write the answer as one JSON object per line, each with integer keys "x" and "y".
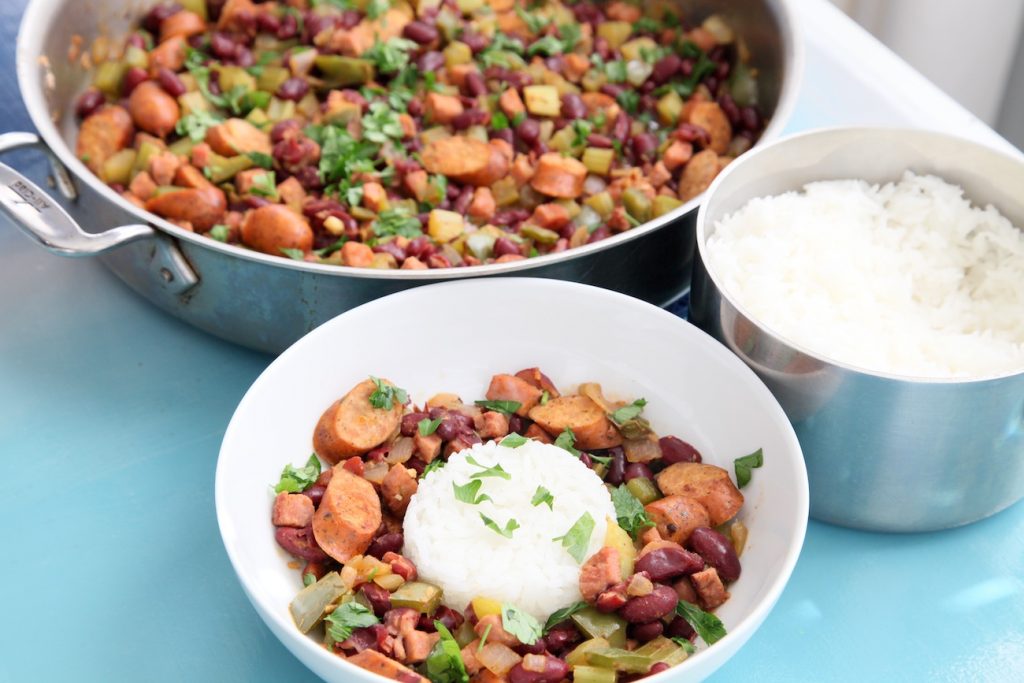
{"x": 874, "y": 279}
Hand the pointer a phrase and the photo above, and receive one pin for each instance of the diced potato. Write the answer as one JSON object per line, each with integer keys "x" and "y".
{"x": 617, "y": 538}
{"x": 444, "y": 226}
{"x": 457, "y": 53}
{"x": 598, "y": 160}
{"x": 118, "y": 168}
{"x": 635, "y": 48}
{"x": 231, "y": 77}
{"x": 602, "y": 203}
{"x": 615, "y": 32}
{"x": 505, "y": 192}
{"x": 542, "y": 100}
{"x": 484, "y": 607}
{"x": 670, "y": 107}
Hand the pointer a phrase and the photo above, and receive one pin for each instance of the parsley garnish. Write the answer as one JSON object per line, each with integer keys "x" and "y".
{"x": 646, "y": 25}
{"x": 571, "y": 35}
{"x": 745, "y": 464}
{"x": 265, "y": 185}
{"x": 348, "y": 617}
{"x": 496, "y": 471}
{"x": 296, "y": 479}
{"x": 390, "y": 56}
{"x": 543, "y": 497}
{"x": 548, "y": 45}
{"x": 627, "y": 413}
{"x": 567, "y": 440}
{"x": 513, "y": 440}
{"x": 507, "y": 407}
{"x": 629, "y": 512}
{"x": 435, "y": 464}
{"x": 426, "y": 426}
{"x": 381, "y": 124}
{"x": 196, "y": 124}
{"x": 510, "y": 526}
{"x": 467, "y": 493}
{"x": 577, "y": 538}
{"x": 386, "y": 395}
{"x": 294, "y": 254}
{"x": 397, "y": 221}
{"x": 444, "y": 663}
{"x": 308, "y": 579}
{"x": 520, "y": 624}
{"x": 219, "y": 232}
{"x": 534, "y": 23}
{"x": 262, "y": 160}
{"x": 499, "y": 121}
{"x": 561, "y": 615}
{"x": 581, "y": 129}
{"x": 707, "y": 625}
{"x": 628, "y": 100}
{"x": 615, "y": 71}
{"x": 685, "y": 644}
{"x": 375, "y": 8}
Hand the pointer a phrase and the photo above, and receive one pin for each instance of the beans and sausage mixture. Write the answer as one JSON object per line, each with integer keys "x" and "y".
{"x": 645, "y": 596}
{"x": 431, "y": 134}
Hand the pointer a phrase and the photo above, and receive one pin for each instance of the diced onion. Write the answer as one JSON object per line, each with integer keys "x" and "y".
{"x": 588, "y": 218}
{"x": 301, "y": 63}
{"x": 637, "y": 71}
{"x": 594, "y": 184}
{"x": 497, "y": 658}
{"x": 375, "y": 472}
{"x": 401, "y": 450}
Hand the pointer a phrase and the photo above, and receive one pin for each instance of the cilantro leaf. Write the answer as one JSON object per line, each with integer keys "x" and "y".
{"x": 627, "y": 413}
{"x": 513, "y": 440}
{"x": 707, "y": 625}
{"x": 541, "y": 497}
{"x": 499, "y": 121}
{"x": 615, "y": 71}
{"x": 567, "y": 440}
{"x": 296, "y": 479}
{"x": 548, "y": 46}
{"x": 561, "y": 615}
{"x": 520, "y": 624}
{"x": 390, "y": 56}
{"x": 444, "y": 663}
{"x": 196, "y": 124}
{"x": 510, "y": 526}
{"x": 397, "y": 221}
{"x": 577, "y": 538}
{"x": 435, "y": 464}
{"x": 426, "y": 426}
{"x": 685, "y": 644}
{"x": 571, "y": 34}
{"x": 496, "y": 471}
{"x": 219, "y": 232}
{"x": 348, "y": 617}
{"x": 262, "y": 160}
{"x": 386, "y": 395}
{"x": 381, "y": 123}
{"x": 745, "y": 464}
{"x": 375, "y": 8}
{"x": 265, "y": 185}
{"x": 629, "y": 512}
{"x": 308, "y": 579}
{"x": 294, "y": 254}
{"x": 535, "y": 23}
{"x": 467, "y": 493}
{"x": 628, "y": 100}
{"x": 507, "y": 407}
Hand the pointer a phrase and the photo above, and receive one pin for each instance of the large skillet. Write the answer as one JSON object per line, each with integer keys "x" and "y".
{"x": 265, "y": 302}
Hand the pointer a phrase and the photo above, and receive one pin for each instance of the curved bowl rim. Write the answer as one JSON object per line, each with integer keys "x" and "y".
{"x": 724, "y": 177}
{"x": 28, "y": 51}
{"x": 561, "y": 290}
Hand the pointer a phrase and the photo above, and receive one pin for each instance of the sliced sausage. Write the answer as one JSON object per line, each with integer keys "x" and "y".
{"x": 495, "y": 170}
{"x": 601, "y": 571}
{"x": 442, "y": 109}
{"x": 677, "y": 516}
{"x": 587, "y": 420}
{"x": 698, "y": 174}
{"x": 456, "y": 156}
{"x": 382, "y": 665}
{"x": 352, "y": 426}
{"x": 202, "y": 207}
{"x": 103, "y": 134}
{"x": 274, "y": 227}
{"x": 153, "y": 110}
{"x": 238, "y": 136}
{"x": 398, "y": 488}
{"x": 559, "y": 176}
{"x": 511, "y": 388}
{"x": 184, "y": 23}
{"x": 170, "y": 54}
{"x": 348, "y": 516}
{"x": 710, "y": 117}
{"x": 538, "y": 379}
{"x": 707, "y": 484}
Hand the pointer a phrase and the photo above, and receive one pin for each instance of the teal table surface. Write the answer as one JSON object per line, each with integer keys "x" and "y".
{"x": 112, "y": 413}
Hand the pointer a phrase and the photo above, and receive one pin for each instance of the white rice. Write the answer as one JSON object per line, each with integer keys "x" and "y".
{"x": 908, "y": 278}
{"x": 452, "y": 548}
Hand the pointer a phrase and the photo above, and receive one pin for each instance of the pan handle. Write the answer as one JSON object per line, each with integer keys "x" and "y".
{"x": 31, "y": 209}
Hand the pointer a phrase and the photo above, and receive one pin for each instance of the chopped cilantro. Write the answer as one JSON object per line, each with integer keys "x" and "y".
{"x": 496, "y": 471}
{"x": 308, "y": 579}
{"x": 685, "y": 644}
{"x": 535, "y": 23}
{"x": 627, "y": 413}
{"x": 375, "y": 8}
{"x": 294, "y": 254}
{"x": 387, "y": 395}
{"x": 615, "y": 71}
{"x": 707, "y": 625}
{"x": 219, "y": 232}
{"x": 390, "y": 56}
{"x": 196, "y": 124}
{"x": 745, "y": 464}
{"x": 426, "y": 426}
{"x": 628, "y": 100}
{"x": 444, "y": 663}
{"x": 397, "y": 221}
{"x": 629, "y": 511}
{"x": 499, "y": 121}
{"x": 513, "y": 440}
{"x": 348, "y": 617}
{"x": 567, "y": 441}
{"x": 435, "y": 464}
{"x": 507, "y": 407}
{"x": 558, "y": 616}
{"x": 577, "y": 538}
{"x": 470, "y": 493}
{"x": 520, "y": 624}
{"x": 548, "y": 46}
{"x": 543, "y": 497}
{"x": 381, "y": 124}
{"x": 296, "y": 479}
{"x": 510, "y": 526}
{"x": 262, "y": 160}
{"x": 265, "y": 185}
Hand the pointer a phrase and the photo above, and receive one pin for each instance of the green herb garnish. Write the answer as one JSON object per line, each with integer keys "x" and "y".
{"x": 390, "y": 56}
{"x": 545, "y": 397}
{"x": 294, "y": 254}
{"x": 265, "y": 185}
{"x": 398, "y": 221}
{"x": 426, "y": 426}
{"x": 507, "y": 407}
{"x": 195, "y": 125}
{"x": 629, "y": 512}
{"x": 561, "y": 615}
{"x": 375, "y": 8}
{"x": 499, "y": 121}
{"x": 687, "y": 646}
{"x": 513, "y": 440}
{"x": 308, "y": 579}
{"x": 435, "y": 464}
{"x": 548, "y": 46}
{"x": 296, "y": 479}
{"x": 577, "y": 538}
{"x": 627, "y": 413}
{"x": 496, "y": 471}
{"x": 628, "y": 100}
{"x": 543, "y": 497}
{"x": 520, "y": 624}
{"x": 444, "y": 663}
{"x": 510, "y": 526}
{"x": 348, "y": 617}
{"x": 707, "y": 625}
{"x": 745, "y": 464}
{"x": 567, "y": 440}
{"x": 386, "y": 395}
{"x": 262, "y": 160}
{"x": 467, "y": 493}
{"x": 219, "y": 232}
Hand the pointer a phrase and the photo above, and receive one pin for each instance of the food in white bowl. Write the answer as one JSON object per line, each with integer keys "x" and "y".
{"x": 907, "y": 278}
{"x": 704, "y": 391}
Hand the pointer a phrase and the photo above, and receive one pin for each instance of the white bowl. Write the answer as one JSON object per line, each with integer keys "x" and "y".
{"x": 453, "y": 337}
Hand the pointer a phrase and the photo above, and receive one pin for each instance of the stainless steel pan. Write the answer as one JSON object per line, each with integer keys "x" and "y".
{"x": 265, "y": 302}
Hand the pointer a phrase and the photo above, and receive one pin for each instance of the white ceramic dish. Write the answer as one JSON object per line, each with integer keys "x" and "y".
{"x": 453, "y": 337}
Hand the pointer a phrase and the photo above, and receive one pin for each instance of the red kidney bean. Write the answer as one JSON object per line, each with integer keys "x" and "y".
{"x": 391, "y": 247}
{"x": 637, "y": 470}
{"x": 300, "y": 543}
{"x": 750, "y": 118}
{"x": 528, "y": 131}
{"x": 451, "y": 619}
{"x": 645, "y": 145}
{"x": 309, "y": 178}
{"x": 586, "y": 460}
{"x": 89, "y": 102}
{"x": 170, "y": 82}
{"x": 645, "y": 632}
{"x": 620, "y": 129}
{"x": 379, "y": 599}
{"x": 438, "y": 261}
{"x": 712, "y": 83}
{"x": 420, "y": 247}
{"x": 600, "y": 234}
{"x": 603, "y": 48}
{"x": 315, "y": 24}
{"x": 476, "y": 41}
{"x": 243, "y": 57}
{"x": 680, "y": 628}
{"x": 732, "y": 112}
{"x": 475, "y": 84}
{"x": 665, "y": 563}
{"x": 646, "y": 608}
{"x": 420, "y": 32}
{"x": 555, "y": 63}
{"x": 132, "y": 78}
{"x": 505, "y": 134}
{"x": 416, "y": 464}
{"x": 665, "y": 68}
{"x": 349, "y": 19}
{"x": 722, "y": 70}
{"x": 293, "y": 89}
{"x": 386, "y": 543}
{"x": 716, "y": 550}
{"x": 510, "y": 217}
{"x": 151, "y": 22}
{"x": 289, "y": 27}
{"x": 573, "y": 107}
{"x": 378, "y": 453}
{"x": 554, "y": 670}
{"x": 268, "y": 23}
{"x": 288, "y": 128}
{"x": 448, "y": 429}
{"x": 611, "y": 600}
{"x": 136, "y": 40}
{"x": 368, "y": 637}
{"x": 616, "y": 467}
{"x": 613, "y": 89}
{"x": 518, "y": 79}
{"x": 687, "y": 132}
{"x": 657, "y": 668}
{"x": 586, "y": 12}
{"x": 674, "y": 449}
{"x": 599, "y": 140}
{"x": 315, "y": 493}
{"x": 222, "y": 46}
{"x": 539, "y": 646}
{"x": 430, "y": 61}
{"x": 470, "y": 117}
{"x": 411, "y": 422}
{"x": 503, "y": 246}
{"x": 463, "y": 201}
{"x": 516, "y": 423}
{"x": 561, "y": 638}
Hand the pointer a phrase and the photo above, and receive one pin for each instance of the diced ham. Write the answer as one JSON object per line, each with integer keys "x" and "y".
{"x": 511, "y": 388}
{"x": 398, "y": 488}
{"x": 709, "y": 588}
{"x": 601, "y": 571}
{"x": 495, "y": 425}
{"x": 497, "y": 633}
{"x": 142, "y": 186}
{"x": 427, "y": 446}
{"x": 292, "y": 509}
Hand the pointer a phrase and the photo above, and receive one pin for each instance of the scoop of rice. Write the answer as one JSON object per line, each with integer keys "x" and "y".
{"x": 906, "y": 278}
{"x": 453, "y": 548}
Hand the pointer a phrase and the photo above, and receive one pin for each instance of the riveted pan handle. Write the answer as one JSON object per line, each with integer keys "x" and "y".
{"x": 33, "y": 210}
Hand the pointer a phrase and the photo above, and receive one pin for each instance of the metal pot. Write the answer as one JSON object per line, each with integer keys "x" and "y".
{"x": 266, "y": 302}
{"x": 884, "y": 452}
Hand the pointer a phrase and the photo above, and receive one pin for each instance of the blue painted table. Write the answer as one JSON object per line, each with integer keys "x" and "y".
{"x": 111, "y": 415}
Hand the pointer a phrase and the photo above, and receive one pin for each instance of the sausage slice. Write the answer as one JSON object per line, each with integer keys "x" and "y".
{"x": 348, "y": 517}
{"x": 677, "y": 516}
{"x": 707, "y": 484}
{"x": 585, "y": 418}
{"x": 352, "y": 426}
